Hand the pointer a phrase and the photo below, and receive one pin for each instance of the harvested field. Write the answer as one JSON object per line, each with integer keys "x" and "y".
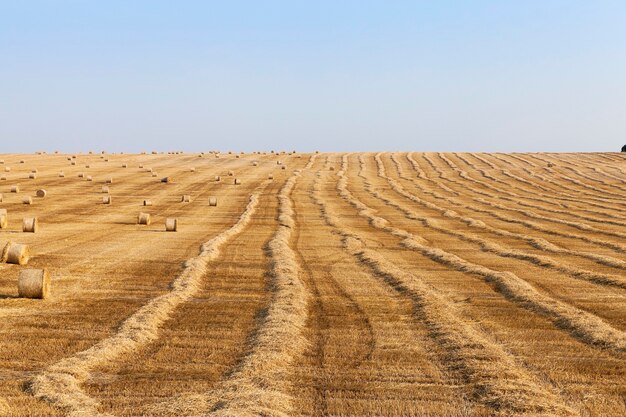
{"x": 325, "y": 284}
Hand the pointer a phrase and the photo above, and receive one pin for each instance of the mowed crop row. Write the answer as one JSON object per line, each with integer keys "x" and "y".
{"x": 425, "y": 284}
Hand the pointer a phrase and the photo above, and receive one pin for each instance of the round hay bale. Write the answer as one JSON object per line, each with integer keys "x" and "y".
{"x": 255, "y": 163}
{"x": 81, "y": 175}
{"x": 30, "y": 225}
{"x": 73, "y": 162}
{"x": 213, "y": 201}
{"x": 124, "y": 165}
{"x": 41, "y": 193}
{"x": 1, "y": 161}
{"x": 171, "y": 224}
{"x": 332, "y": 168}
{"x": 270, "y": 177}
{"x": 106, "y": 159}
{"x": 89, "y": 178}
{"x": 217, "y": 178}
{"x": 231, "y": 173}
{"x": 147, "y": 202}
{"x": 279, "y": 162}
{"x": 34, "y": 171}
{"x": 140, "y": 166}
{"x": 17, "y": 254}
{"x": 7, "y": 169}
{"x": 237, "y": 181}
{"x": 62, "y": 174}
{"x": 15, "y": 188}
{"x": 27, "y": 200}
{"x": 105, "y": 189}
{"x": 283, "y": 167}
{"x": 4, "y": 219}
{"x": 143, "y": 218}
{"x": 186, "y": 198}
{"x": 192, "y": 170}
{"x": 32, "y": 176}
{"x": 237, "y": 156}
{"x": 3, "y": 178}
{"x": 87, "y": 166}
{"x": 22, "y": 161}
{"x": 154, "y": 174}
{"x": 167, "y": 179}
{"x": 33, "y": 283}
{"x": 106, "y": 199}
{"x": 109, "y": 180}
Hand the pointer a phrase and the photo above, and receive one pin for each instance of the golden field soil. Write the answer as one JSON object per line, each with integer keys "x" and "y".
{"x": 391, "y": 284}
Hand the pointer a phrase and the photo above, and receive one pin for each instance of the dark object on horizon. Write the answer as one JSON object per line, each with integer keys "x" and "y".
{"x": 624, "y": 148}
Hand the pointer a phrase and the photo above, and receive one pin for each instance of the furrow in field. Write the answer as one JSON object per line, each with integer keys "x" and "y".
{"x": 61, "y": 383}
{"x": 496, "y": 380}
{"x": 587, "y": 327}
{"x": 490, "y": 246}
{"x": 257, "y": 385}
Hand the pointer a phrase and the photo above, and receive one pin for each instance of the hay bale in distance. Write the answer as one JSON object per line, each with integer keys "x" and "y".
{"x": 154, "y": 174}
{"x": 270, "y": 177}
{"x": 147, "y": 202}
{"x": 30, "y": 225}
{"x": 143, "y": 218}
{"x": 171, "y": 224}
{"x": 4, "y": 219}
{"x": 105, "y": 189}
{"x": 217, "y": 178}
{"x": 41, "y": 193}
{"x": 34, "y": 171}
{"x": 89, "y": 178}
{"x": 32, "y": 176}
{"x": 27, "y": 200}
{"x": 106, "y": 199}
{"x": 231, "y": 173}
{"x": 186, "y": 198}
{"x": 237, "y": 181}
{"x": 283, "y": 167}
{"x": 167, "y": 179}
{"x": 7, "y": 169}
{"x": 124, "y": 165}
{"x": 16, "y": 253}
{"x": 15, "y": 188}
{"x": 109, "y": 180}
{"x": 62, "y": 174}
{"x": 33, "y": 283}
{"x": 213, "y": 201}
{"x": 81, "y": 175}
{"x": 73, "y": 162}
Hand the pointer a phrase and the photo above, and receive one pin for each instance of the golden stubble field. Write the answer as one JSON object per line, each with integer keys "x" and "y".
{"x": 390, "y": 284}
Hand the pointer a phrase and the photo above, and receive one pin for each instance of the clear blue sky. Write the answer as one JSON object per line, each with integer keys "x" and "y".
{"x": 329, "y": 75}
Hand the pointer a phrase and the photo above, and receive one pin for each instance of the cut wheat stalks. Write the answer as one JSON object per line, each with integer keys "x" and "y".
{"x": 30, "y": 225}
{"x": 27, "y": 200}
{"x": 106, "y": 199}
{"x": 60, "y": 383}
{"x": 15, "y": 188}
{"x": 254, "y": 387}
{"x": 33, "y": 283}
{"x": 143, "y": 218}
{"x": 186, "y": 198}
{"x": 171, "y": 224}
{"x": 237, "y": 181}
{"x": 212, "y": 201}
{"x": 15, "y": 253}
{"x": 147, "y": 202}
{"x": 585, "y": 326}
{"x": 41, "y": 193}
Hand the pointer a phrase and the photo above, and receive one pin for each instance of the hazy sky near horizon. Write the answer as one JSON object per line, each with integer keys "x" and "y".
{"x": 329, "y": 75}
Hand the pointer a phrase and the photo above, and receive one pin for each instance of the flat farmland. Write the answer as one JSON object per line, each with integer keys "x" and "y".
{"x": 321, "y": 284}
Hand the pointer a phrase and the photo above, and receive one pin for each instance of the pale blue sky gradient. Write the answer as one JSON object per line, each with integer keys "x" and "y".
{"x": 328, "y": 75}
